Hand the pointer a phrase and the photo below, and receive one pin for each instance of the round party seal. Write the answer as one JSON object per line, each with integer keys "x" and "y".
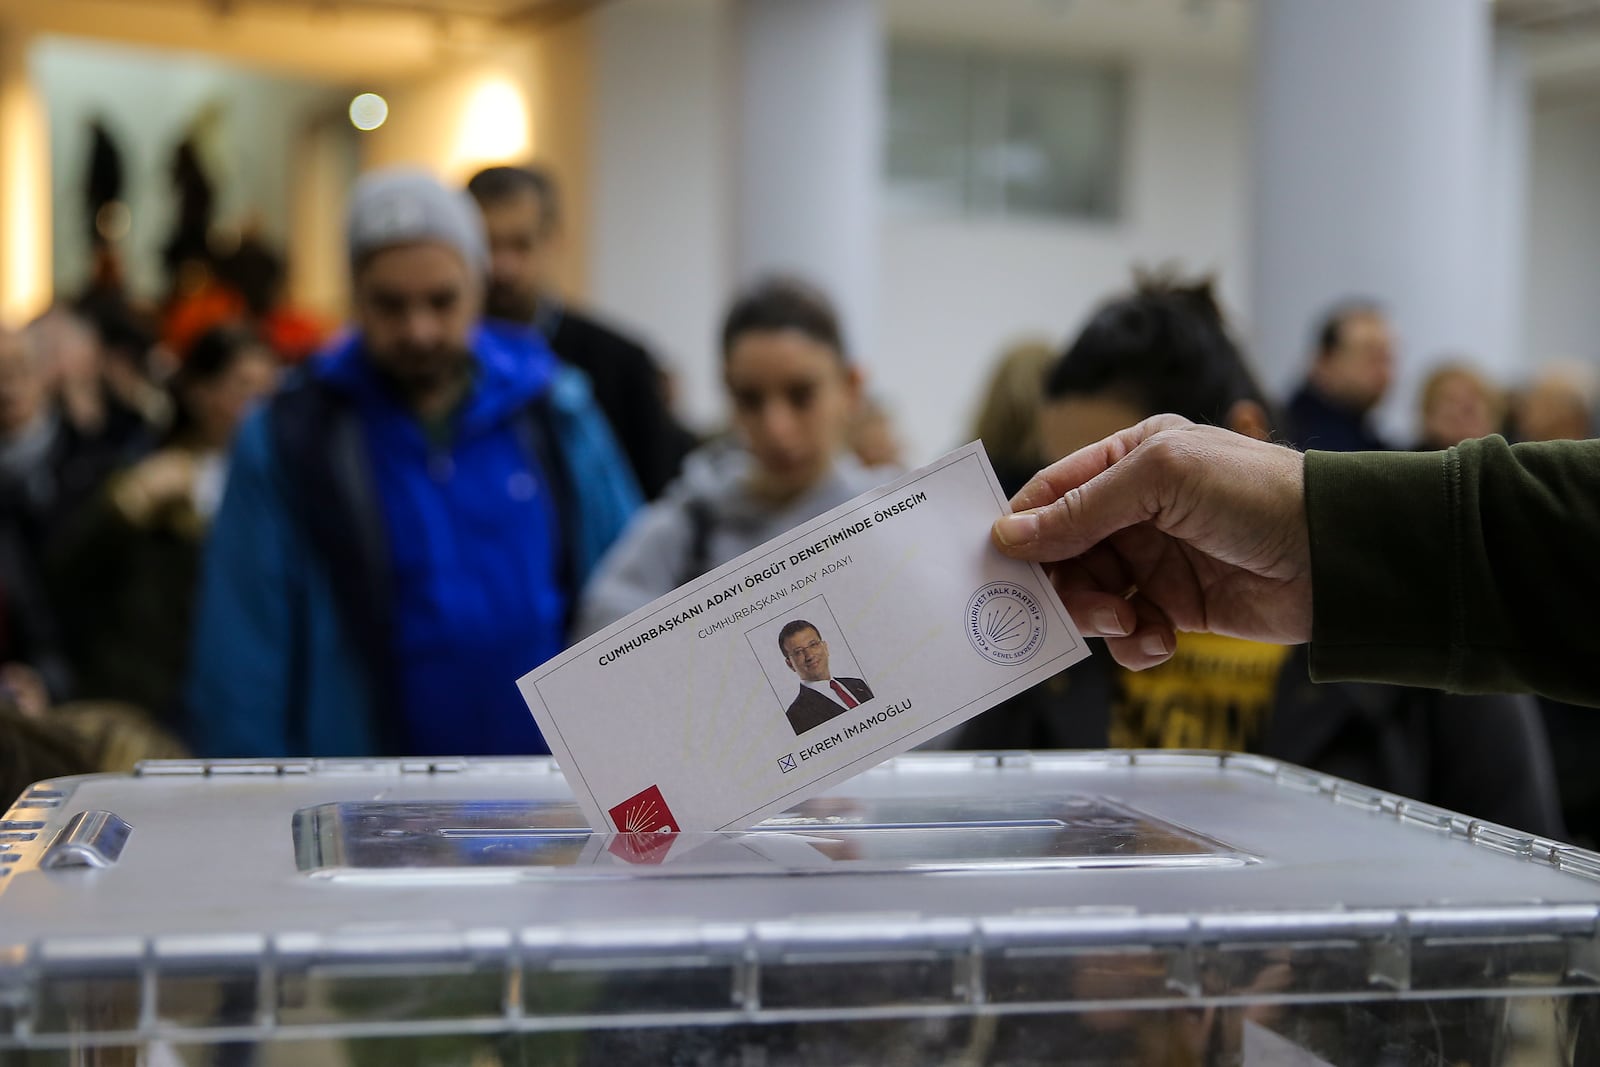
{"x": 1005, "y": 623}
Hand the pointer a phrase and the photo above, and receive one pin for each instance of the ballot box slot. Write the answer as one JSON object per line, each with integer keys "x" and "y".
{"x": 867, "y": 827}
{"x": 478, "y": 831}
{"x": 850, "y": 827}
{"x": 357, "y": 842}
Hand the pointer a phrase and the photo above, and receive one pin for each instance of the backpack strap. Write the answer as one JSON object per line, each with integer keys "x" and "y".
{"x": 536, "y": 433}
{"x": 317, "y": 436}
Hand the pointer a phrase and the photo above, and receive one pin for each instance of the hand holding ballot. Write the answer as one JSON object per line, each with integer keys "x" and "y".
{"x": 810, "y": 659}
{"x": 1171, "y": 526}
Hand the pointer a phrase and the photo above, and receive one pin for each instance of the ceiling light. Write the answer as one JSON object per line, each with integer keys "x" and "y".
{"x": 368, "y": 111}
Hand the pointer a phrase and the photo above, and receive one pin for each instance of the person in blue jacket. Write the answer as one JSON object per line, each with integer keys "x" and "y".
{"x": 407, "y": 523}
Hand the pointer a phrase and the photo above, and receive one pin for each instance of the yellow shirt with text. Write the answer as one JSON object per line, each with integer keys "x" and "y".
{"x": 1215, "y": 692}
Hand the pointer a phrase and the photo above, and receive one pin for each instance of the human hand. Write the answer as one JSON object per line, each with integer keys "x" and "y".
{"x": 129, "y": 384}
{"x": 158, "y": 482}
{"x": 1171, "y": 526}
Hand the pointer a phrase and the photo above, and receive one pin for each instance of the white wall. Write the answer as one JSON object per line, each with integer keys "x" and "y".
{"x": 1562, "y": 316}
{"x": 148, "y": 98}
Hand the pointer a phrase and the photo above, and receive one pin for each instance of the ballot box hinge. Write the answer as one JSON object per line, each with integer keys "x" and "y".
{"x": 90, "y": 839}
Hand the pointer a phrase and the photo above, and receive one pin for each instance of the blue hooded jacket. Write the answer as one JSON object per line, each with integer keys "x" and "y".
{"x": 366, "y": 591}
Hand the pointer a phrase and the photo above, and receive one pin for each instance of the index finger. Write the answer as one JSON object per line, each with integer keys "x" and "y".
{"x": 1053, "y": 482}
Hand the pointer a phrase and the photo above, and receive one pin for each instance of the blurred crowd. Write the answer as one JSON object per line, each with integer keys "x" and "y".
{"x": 228, "y": 529}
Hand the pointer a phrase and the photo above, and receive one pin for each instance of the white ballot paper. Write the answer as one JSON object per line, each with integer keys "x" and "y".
{"x": 813, "y": 658}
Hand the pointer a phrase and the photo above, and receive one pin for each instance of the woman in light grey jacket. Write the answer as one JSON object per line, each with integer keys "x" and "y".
{"x": 794, "y": 392}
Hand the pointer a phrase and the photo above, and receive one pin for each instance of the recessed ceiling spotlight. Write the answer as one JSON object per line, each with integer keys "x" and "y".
{"x": 368, "y": 111}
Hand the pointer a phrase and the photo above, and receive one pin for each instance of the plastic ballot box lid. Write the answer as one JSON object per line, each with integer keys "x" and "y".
{"x": 250, "y": 901}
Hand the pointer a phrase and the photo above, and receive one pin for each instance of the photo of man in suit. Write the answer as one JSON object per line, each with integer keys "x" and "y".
{"x": 822, "y": 696}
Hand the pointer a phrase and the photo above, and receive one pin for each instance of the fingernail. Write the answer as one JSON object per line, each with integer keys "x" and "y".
{"x": 1016, "y": 530}
{"x": 1105, "y": 621}
{"x": 1154, "y": 645}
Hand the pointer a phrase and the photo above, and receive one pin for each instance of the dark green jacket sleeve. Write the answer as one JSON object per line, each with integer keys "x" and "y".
{"x": 1474, "y": 570}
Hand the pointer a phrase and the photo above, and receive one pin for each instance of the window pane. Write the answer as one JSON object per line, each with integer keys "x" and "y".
{"x": 1062, "y": 140}
{"x": 929, "y": 104}
{"x": 994, "y": 134}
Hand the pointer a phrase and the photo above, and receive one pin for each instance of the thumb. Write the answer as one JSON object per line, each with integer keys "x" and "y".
{"x": 1083, "y": 516}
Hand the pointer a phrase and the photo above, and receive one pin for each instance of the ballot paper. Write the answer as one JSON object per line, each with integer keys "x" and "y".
{"x": 811, "y": 659}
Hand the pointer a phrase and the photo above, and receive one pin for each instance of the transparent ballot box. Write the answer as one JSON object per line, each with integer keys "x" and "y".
{"x": 1121, "y": 908}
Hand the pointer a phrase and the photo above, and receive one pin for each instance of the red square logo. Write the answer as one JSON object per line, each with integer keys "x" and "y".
{"x": 645, "y": 812}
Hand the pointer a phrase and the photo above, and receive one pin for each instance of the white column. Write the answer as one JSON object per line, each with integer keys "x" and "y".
{"x": 810, "y": 92}
{"x": 1510, "y": 148}
{"x": 1371, "y": 140}
{"x": 25, "y": 282}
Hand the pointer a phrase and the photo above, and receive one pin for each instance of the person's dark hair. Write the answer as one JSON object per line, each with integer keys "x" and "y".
{"x": 784, "y": 304}
{"x": 496, "y": 185}
{"x": 1330, "y": 327}
{"x": 1165, "y": 347}
{"x": 124, "y": 333}
{"x": 792, "y": 628}
{"x": 211, "y": 356}
{"x": 257, "y": 271}
{"x": 32, "y": 751}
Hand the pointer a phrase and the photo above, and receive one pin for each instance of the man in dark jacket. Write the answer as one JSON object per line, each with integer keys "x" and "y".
{"x": 54, "y": 457}
{"x": 1351, "y": 369}
{"x": 406, "y": 526}
{"x": 521, "y": 212}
